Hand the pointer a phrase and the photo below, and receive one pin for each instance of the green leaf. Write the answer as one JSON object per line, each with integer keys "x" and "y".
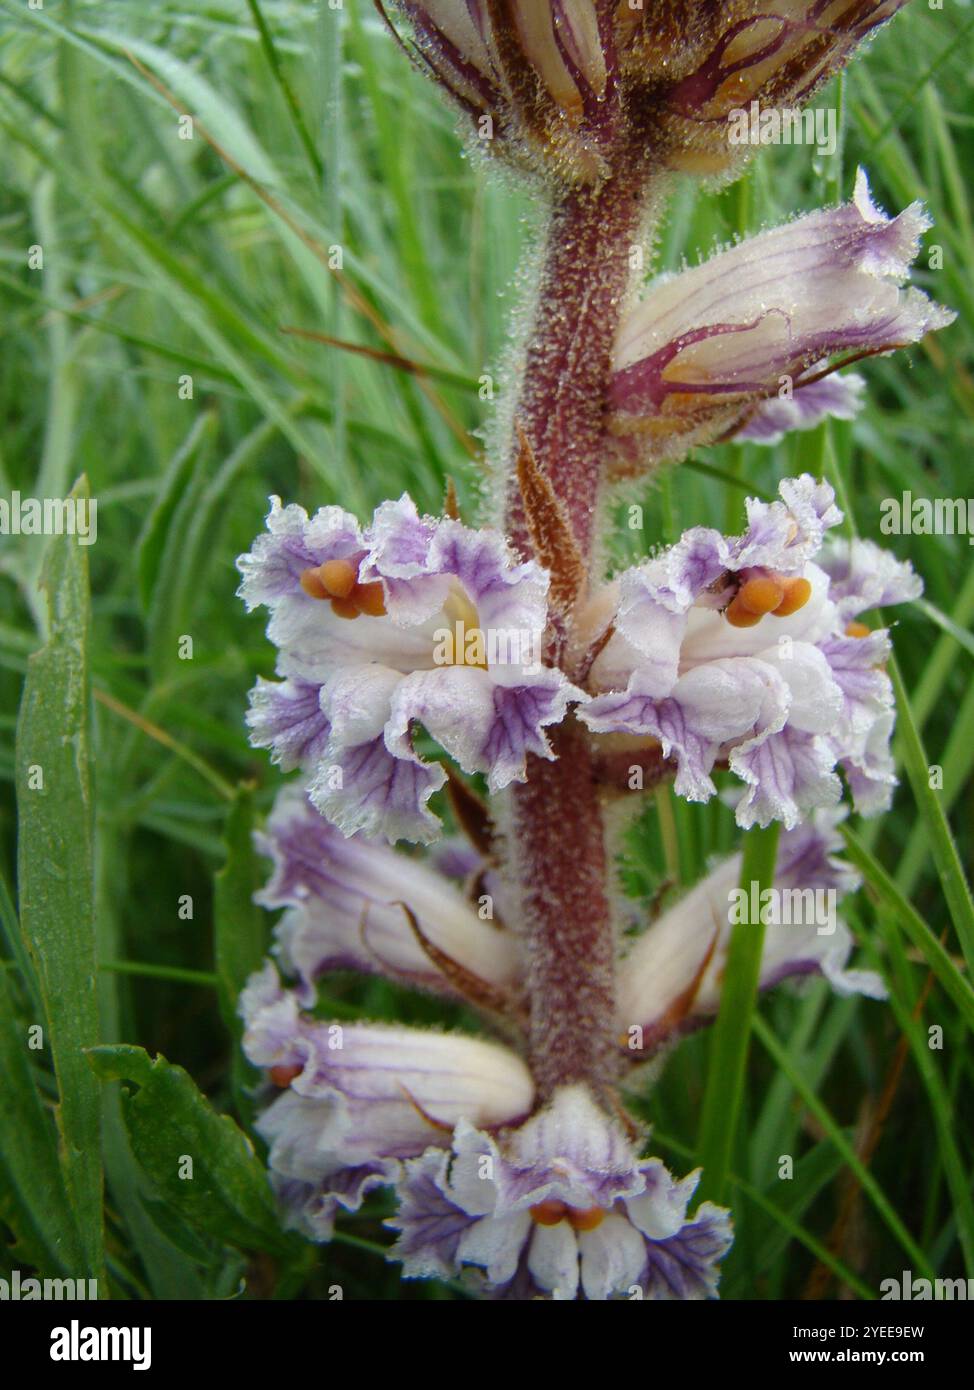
{"x": 169, "y": 1121}
{"x": 724, "y": 1095}
{"x": 33, "y": 1200}
{"x": 55, "y": 870}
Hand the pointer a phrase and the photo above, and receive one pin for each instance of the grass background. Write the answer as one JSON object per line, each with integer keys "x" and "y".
{"x": 166, "y": 258}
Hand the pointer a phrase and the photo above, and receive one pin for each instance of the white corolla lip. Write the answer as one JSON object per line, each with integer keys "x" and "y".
{"x": 786, "y": 701}
{"x": 359, "y": 675}
{"x": 611, "y": 1222}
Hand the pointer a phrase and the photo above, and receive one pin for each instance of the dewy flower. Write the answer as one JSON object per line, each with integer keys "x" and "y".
{"x": 558, "y": 1206}
{"x": 739, "y": 650}
{"x": 775, "y": 53}
{"x": 544, "y": 1198}
{"x": 571, "y": 86}
{"x": 411, "y": 621}
{"x": 670, "y": 979}
{"x": 352, "y": 903}
{"x": 707, "y": 348}
{"x": 533, "y": 77}
{"x": 356, "y": 1098}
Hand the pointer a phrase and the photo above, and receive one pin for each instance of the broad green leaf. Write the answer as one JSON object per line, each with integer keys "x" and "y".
{"x": 198, "y": 1161}
{"x": 55, "y": 874}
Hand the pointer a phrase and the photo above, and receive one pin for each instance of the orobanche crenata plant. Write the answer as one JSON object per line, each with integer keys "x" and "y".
{"x": 514, "y": 1162}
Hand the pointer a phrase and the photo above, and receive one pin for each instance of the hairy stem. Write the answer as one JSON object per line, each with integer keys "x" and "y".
{"x": 584, "y": 282}
{"x": 557, "y": 847}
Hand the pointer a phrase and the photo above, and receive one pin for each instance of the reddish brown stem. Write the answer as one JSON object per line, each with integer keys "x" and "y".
{"x": 584, "y": 282}
{"x": 556, "y": 848}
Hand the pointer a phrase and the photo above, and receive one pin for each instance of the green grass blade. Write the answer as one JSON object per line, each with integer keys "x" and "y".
{"x": 724, "y": 1092}
{"x": 55, "y": 871}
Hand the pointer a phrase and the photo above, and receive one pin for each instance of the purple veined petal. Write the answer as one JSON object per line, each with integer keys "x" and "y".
{"x": 871, "y": 771}
{"x": 561, "y": 1205}
{"x": 445, "y": 570}
{"x": 808, "y": 856}
{"x": 685, "y": 1266}
{"x": 367, "y": 788}
{"x": 507, "y": 595}
{"x": 347, "y": 898}
{"x": 358, "y": 1095}
{"x": 832, "y": 397}
{"x": 708, "y": 345}
{"x": 815, "y": 697}
{"x": 311, "y": 1207}
{"x": 788, "y": 775}
{"x": 785, "y": 535}
{"x": 286, "y": 717}
{"x": 399, "y": 555}
{"x": 857, "y": 666}
{"x": 863, "y": 576}
{"x": 402, "y": 1085}
{"x": 292, "y": 543}
{"x": 569, "y": 1149}
{"x": 431, "y": 1226}
{"x": 484, "y": 725}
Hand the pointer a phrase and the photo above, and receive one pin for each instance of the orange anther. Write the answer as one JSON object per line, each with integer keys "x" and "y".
{"x": 857, "y": 630}
{"x": 762, "y": 594}
{"x": 370, "y": 600}
{"x": 549, "y": 1213}
{"x": 339, "y": 577}
{"x": 284, "y": 1074}
{"x": 311, "y": 583}
{"x": 740, "y": 616}
{"x": 344, "y": 608}
{"x": 586, "y": 1220}
{"x": 797, "y": 594}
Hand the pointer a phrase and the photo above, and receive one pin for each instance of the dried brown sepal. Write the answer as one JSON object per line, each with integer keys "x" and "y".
{"x": 472, "y": 813}
{"x": 551, "y": 534}
{"x": 451, "y": 505}
{"x": 483, "y": 995}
